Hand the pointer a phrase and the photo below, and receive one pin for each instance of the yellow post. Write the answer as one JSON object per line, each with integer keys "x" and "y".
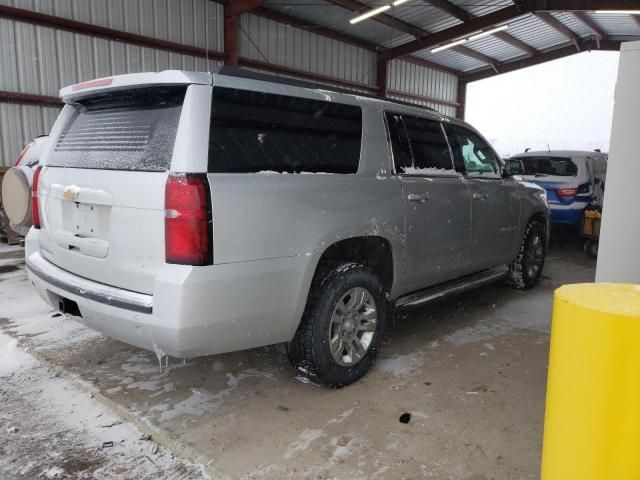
{"x": 592, "y": 418}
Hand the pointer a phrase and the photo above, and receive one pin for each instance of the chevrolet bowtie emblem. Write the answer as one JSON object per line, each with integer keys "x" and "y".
{"x": 70, "y": 194}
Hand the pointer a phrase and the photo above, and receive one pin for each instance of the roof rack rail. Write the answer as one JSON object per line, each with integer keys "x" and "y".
{"x": 266, "y": 77}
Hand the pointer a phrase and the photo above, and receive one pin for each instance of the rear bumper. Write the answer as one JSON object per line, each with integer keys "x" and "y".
{"x": 567, "y": 214}
{"x": 193, "y": 311}
{"x": 71, "y": 284}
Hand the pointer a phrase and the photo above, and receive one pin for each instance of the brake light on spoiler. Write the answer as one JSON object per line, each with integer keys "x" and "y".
{"x": 188, "y": 222}
{"x": 100, "y": 82}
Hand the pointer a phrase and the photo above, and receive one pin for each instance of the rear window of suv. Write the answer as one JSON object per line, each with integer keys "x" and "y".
{"x": 256, "y": 131}
{"x": 556, "y": 166}
{"x": 123, "y": 130}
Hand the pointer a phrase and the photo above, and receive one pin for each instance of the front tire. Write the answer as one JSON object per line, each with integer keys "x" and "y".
{"x": 342, "y": 326}
{"x": 526, "y": 269}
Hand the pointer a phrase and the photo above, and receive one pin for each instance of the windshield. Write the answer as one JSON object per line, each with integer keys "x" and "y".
{"x": 556, "y": 166}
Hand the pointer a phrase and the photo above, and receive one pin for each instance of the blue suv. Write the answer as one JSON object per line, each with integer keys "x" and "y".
{"x": 572, "y": 179}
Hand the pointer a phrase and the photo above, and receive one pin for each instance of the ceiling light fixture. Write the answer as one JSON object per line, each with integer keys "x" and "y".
{"x": 369, "y": 14}
{"x": 628, "y": 12}
{"x": 488, "y": 32}
{"x": 399, "y": 2}
{"x": 449, "y": 45}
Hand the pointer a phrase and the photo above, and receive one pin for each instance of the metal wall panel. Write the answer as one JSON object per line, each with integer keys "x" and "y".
{"x": 418, "y": 80}
{"x": 268, "y": 41}
{"x": 41, "y": 60}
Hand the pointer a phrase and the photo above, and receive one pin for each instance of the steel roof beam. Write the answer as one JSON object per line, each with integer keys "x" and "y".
{"x": 406, "y": 28}
{"x": 516, "y": 42}
{"x": 591, "y": 25}
{"x": 452, "y": 9}
{"x": 238, "y": 7}
{"x": 505, "y": 67}
{"x": 462, "y": 14}
{"x": 559, "y": 27}
{"x": 383, "y": 18}
{"x": 314, "y": 28}
{"x": 504, "y": 15}
{"x": 492, "y": 62}
{"x": 466, "y": 28}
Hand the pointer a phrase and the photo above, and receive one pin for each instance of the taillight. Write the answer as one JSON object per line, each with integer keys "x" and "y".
{"x": 584, "y": 188}
{"x": 567, "y": 192}
{"x": 34, "y": 198}
{"x": 188, "y": 228}
{"x": 22, "y": 154}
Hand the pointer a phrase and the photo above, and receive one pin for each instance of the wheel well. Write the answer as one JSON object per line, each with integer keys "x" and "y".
{"x": 539, "y": 217}
{"x": 374, "y": 252}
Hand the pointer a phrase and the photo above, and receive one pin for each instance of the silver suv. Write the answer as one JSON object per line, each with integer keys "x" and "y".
{"x": 194, "y": 214}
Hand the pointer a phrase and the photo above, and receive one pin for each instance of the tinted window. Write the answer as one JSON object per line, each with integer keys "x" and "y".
{"x": 556, "y": 166}
{"x": 124, "y": 130}
{"x": 255, "y": 131}
{"x": 399, "y": 142}
{"x": 471, "y": 153}
{"x": 428, "y": 144}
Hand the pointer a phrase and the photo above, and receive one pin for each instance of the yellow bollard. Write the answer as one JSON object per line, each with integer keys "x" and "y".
{"x": 592, "y": 418}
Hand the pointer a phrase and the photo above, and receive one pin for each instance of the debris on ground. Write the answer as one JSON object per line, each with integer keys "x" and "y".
{"x": 405, "y": 418}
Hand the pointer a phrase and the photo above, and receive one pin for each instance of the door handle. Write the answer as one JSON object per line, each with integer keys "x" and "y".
{"x": 418, "y": 197}
{"x": 480, "y": 196}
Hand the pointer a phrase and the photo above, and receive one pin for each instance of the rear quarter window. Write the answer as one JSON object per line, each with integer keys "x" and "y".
{"x": 123, "y": 130}
{"x": 256, "y": 131}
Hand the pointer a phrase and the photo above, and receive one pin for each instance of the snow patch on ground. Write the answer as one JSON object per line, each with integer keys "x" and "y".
{"x": 400, "y": 366}
{"x": 479, "y": 332}
{"x": 12, "y": 357}
{"x": 202, "y": 402}
{"x": 305, "y": 439}
{"x": 56, "y": 431}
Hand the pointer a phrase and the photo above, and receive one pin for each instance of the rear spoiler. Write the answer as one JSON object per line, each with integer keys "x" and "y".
{"x": 119, "y": 82}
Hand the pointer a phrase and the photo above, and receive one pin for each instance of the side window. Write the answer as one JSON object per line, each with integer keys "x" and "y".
{"x": 399, "y": 142}
{"x": 428, "y": 144}
{"x": 471, "y": 153}
{"x": 255, "y": 131}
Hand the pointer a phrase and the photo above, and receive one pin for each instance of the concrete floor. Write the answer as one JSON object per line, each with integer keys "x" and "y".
{"x": 470, "y": 370}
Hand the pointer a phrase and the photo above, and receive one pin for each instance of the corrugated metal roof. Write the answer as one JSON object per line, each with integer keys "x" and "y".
{"x": 479, "y": 8}
{"x": 495, "y": 48}
{"x": 420, "y": 14}
{"x": 617, "y": 25}
{"x": 527, "y": 28}
{"x": 574, "y": 23}
{"x": 325, "y": 14}
{"x": 451, "y": 59}
{"x": 533, "y": 31}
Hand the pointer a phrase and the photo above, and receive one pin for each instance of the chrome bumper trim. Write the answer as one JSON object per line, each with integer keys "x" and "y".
{"x": 98, "y": 292}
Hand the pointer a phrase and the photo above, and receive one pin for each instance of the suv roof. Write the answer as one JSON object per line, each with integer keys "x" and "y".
{"x": 168, "y": 77}
{"x": 560, "y": 153}
{"x": 265, "y": 77}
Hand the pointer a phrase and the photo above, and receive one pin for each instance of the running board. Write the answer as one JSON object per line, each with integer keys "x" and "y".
{"x": 452, "y": 288}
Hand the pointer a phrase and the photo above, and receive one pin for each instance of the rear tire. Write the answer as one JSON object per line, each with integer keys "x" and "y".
{"x": 342, "y": 326}
{"x": 526, "y": 269}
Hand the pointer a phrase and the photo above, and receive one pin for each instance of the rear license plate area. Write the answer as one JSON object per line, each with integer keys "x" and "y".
{"x": 82, "y": 220}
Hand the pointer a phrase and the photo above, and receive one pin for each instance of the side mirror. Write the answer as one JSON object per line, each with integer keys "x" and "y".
{"x": 512, "y": 167}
